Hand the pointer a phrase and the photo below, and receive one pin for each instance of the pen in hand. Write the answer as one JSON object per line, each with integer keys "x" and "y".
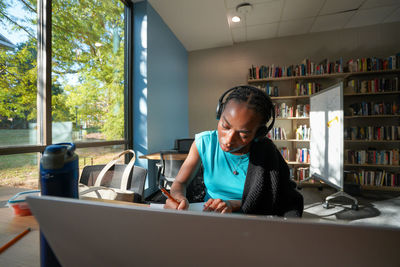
{"x": 168, "y": 195}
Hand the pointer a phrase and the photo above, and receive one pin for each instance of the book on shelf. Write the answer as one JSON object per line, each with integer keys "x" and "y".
{"x": 302, "y": 173}
{"x": 307, "y": 88}
{"x": 373, "y": 85}
{"x": 285, "y": 153}
{"x": 372, "y": 108}
{"x": 303, "y": 155}
{"x": 372, "y": 133}
{"x": 372, "y": 156}
{"x": 303, "y": 132}
{"x": 374, "y": 64}
{"x": 268, "y": 88}
{"x": 277, "y": 133}
{"x": 305, "y": 68}
{"x": 302, "y": 110}
{"x": 373, "y": 178}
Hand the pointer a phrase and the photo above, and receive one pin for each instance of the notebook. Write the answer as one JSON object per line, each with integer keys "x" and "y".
{"x": 90, "y": 233}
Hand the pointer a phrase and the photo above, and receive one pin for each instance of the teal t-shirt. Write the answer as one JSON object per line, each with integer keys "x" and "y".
{"x": 219, "y": 168}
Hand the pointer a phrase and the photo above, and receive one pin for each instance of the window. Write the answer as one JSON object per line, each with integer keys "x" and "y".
{"x": 87, "y": 70}
{"x": 87, "y": 81}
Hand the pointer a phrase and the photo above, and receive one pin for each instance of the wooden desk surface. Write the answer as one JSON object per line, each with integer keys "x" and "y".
{"x": 26, "y": 251}
{"x": 156, "y": 156}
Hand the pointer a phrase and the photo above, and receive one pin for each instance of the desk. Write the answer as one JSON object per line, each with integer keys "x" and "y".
{"x": 26, "y": 251}
{"x": 156, "y": 156}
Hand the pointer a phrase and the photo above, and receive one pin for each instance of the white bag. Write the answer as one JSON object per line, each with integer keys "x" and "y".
{"x": 102, "y": 192}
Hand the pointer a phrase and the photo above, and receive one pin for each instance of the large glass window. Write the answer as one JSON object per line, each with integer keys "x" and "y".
{"x": 87, "y": 70}
{"x": 18, "y": 72}
{"x": 88, "y": 82}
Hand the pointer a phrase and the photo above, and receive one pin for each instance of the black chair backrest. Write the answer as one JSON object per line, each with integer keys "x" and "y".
{"x": 170, "y": 166}
{"x": 183, "y": 145}
{"x": 139, "y": 175}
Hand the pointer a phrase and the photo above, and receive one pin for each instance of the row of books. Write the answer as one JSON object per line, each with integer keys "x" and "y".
{"x": 285, "y": 153}
{"x": 374, "y": 86}
{"x": 303, "y": 132}
{"x": 372, "y": 156}
{"x": 374, "y": 178}
{"x": 269, "y": 89}
{"x": 307, "y": 67}
{"x": 374, "y": 64}
{"x": 277, "y": 133}
{"x": 372, "y": 133}
{"x": 302, "y": 173}
{"x": 303, "y": 155}
{"x": 307, "y": 88}
{"x": 283, "y": 110}
{"x": 372, "y": 108}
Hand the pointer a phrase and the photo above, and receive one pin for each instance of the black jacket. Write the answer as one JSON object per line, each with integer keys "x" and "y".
{"x": 268, "y": 189}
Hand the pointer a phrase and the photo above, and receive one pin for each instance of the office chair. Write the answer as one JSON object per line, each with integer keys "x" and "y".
{"x": 168, "y": 168}
{"x": 183, "y": 145}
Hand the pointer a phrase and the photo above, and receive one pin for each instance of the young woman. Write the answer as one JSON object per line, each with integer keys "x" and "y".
{"x": 243, "y": 170}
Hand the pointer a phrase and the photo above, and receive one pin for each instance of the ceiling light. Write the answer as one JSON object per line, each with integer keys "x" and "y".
{"x": 236, "y": 19}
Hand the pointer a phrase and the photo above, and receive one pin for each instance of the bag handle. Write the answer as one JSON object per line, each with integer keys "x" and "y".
{"x": 95, "y": 188}
{"x": 125, "y": 174}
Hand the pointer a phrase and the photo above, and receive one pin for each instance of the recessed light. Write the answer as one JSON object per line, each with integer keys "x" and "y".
{"x": 235, "y": 19}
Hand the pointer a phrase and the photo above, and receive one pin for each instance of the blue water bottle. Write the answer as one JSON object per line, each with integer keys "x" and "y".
{"x": 59, "y": 171}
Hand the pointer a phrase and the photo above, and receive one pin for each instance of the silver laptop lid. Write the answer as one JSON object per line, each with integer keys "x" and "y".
{"x": 87, "y": 233}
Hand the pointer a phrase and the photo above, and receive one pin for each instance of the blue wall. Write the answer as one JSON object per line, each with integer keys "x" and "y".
{"x": 160, "y": 86}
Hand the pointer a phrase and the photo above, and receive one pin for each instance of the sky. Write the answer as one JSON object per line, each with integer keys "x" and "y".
{"x": 15, "y": 36}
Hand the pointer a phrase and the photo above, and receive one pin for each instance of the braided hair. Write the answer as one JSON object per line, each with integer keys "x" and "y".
{"x": 255, "y": 99}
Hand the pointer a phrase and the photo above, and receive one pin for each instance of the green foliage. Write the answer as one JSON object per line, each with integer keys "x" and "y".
{"x": 87, "y": 65}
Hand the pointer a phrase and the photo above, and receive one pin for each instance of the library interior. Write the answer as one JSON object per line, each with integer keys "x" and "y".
{"x": 103, "y": 102}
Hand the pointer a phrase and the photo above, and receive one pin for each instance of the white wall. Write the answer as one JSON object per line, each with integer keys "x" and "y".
{"x": 213, "y": 71}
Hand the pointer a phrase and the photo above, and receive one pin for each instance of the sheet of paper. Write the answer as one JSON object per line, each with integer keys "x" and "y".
{"x": 192, "y": 207}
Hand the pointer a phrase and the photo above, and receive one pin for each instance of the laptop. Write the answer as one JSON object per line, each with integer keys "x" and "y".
{"x": 91, "y": 233}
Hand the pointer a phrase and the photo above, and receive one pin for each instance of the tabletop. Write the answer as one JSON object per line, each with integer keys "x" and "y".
{"x": 156, "y": 156}
{"x": 26, "y": 251}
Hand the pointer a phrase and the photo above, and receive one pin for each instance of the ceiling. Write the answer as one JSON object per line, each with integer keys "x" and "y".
{"x": 202, "y": 24}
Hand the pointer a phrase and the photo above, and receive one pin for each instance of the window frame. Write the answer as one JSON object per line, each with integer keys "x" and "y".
{"x": 44, "y": 64}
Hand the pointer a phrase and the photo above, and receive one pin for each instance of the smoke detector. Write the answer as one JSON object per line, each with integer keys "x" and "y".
{"x": 244, "y": 8}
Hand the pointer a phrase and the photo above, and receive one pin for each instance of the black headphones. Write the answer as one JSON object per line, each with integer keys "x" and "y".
{"x": 263, "y": 130}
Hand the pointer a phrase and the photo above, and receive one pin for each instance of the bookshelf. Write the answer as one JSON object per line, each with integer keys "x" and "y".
{"x": 372, "y": 129}
{"x": 289, "y": 95}
{"x": 360, "y": 87}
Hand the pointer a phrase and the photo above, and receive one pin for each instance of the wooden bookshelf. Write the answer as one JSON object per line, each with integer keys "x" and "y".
{"x": 287, "y": 94}
{"x": 372, "y": 94}
{"x": 290, "y": 140}
{"x": 342, "y": 75}
{"x": 372, "y": 141}
{"x": 297, "y": 163}
{"x": 306, "y": 77}
{"x": 290, "y": 97}
{"x": 371, "y": 116}
{"x": 372, "y": 165}
{"x": 293, "y": 118}
{"x": 380, "y": 188}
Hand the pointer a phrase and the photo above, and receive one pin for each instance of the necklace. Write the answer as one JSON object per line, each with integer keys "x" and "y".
{"x": 235, "y": 172}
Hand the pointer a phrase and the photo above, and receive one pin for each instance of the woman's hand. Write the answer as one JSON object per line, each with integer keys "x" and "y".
{"x": 218, "y": 205}
{"x": 183, "y": 204}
